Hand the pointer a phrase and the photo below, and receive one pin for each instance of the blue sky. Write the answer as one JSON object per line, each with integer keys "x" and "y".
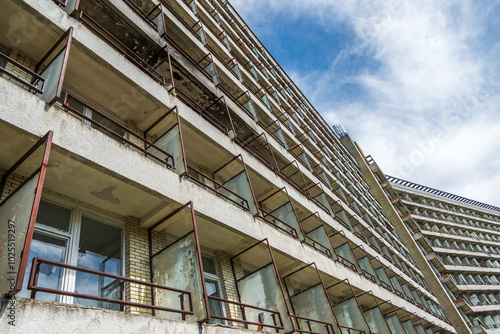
{"x": 415, "y": 83}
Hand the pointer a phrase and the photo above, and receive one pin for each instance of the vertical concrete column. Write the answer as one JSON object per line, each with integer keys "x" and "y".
{"x": 435, "y": 285}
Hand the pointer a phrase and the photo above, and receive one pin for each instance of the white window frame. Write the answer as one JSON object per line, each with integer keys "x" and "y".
{"x": 72, "y": 236}
{"x": 217, "y": 279}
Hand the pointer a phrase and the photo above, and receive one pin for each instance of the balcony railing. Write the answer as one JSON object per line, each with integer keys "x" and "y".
{"x": 148, "y": 17}
{"x": 399, "y": 293}
{"x": 247, "y": 146}
{"x": 276, "y": 222}
{"x": 240, "y": 201}
{"x": 368, "y": 276}
{"x": 201, "y": 111}
{"x": 275, "y": 315}
{"x": 385, "y": 286}
{"x": 347, "y": 263}
{"x": 35, "y": 85}
{"x": 318, "y": 247}
{"x": 34, "y": 287}
{"x": 350, "y": 330}
{"x": 169, "y": 161}
{"x": 307, "y": 321}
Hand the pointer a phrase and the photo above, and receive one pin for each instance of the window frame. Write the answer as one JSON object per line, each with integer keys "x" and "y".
{"x": 72, "y": 237}
{"x": 216, "y": 278}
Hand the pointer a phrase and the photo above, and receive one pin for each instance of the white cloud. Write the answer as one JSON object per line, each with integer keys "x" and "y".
{"x": 430, "y": 109}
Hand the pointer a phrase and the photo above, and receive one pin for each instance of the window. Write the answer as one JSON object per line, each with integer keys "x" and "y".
{"x": 212, "y": 284}
{"x": 74, "y": 236}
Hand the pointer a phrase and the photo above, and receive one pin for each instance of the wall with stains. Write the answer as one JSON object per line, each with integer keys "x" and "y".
{"x": 46, "y": 317}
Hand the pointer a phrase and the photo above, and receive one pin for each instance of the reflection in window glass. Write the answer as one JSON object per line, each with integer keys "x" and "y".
{"x": 201, "y": 34}
{"x": 265, "y": 73}
{"x": 192, "y": 4}
{"x": 254, "y": 73}
{"x": 276, "y": 96}
{"x": 254, "y": 49}
{"x": 217, "y": 18}
{"x": 214, "y": 305}
{"x": 47, "y": 248}
{"x": 99, "y": 249}
{"x": 236, "y": 70}
{"x": 226, "y": 41}
{"x": 53, "y": 215}
{"x": 266, "y": 101}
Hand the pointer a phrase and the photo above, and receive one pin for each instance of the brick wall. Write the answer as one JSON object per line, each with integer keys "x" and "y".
{"x": 229, "y": 292}
{"x": 137, "y": 262}
{"x": 13, "y": 182}
{"x": 23, "y": 59}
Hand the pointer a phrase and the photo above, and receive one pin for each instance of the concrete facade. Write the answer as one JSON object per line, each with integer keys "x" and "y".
{"x": 193, "y": 178}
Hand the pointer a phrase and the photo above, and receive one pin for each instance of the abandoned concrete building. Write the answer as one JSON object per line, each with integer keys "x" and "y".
{"x": 161, "y": 173}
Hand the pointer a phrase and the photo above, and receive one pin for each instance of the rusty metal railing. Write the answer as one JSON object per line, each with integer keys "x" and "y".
{"x": 271, "y": 133}
{"x": 60, "y": 3}
{"x": 178, "y": 17}
{"x": 328, "y": 326}
{"x": 399, "y": 293}
{"x": 148, "y": 17}
{"x": 169, "y": 161}
{"x": 385, "y": 286}
{"x": 274, "y": 315}
{"x": 35, "y": 85}
{"x": 351, "y": 330}
{"x": 235, "y": 100}
{"x": 242, "y": 203}
{"x": 275, "y": 221}
{"x": 33, "y": 286}
{"x": 346, "y": 263}
{"x": 302, "y": 189}
{"x": 368, "y": 276}
{"x": 247, "y": 146}
{"x": 201, "y": 111}
{"x": 318, "y": 203}
{"x": 343, "y": 223}
{"x": 317, "y": 246}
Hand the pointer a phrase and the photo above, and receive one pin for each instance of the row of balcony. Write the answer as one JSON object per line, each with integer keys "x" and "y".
{"x": 447, "y": 205}
{"x": 239, "y": 185}
{"x": 274, "y": 289}
{"x": 423, "y": 225}
{"x": 485, "y": 321}
{"x": 469, "y": 247}
{"x": 210, "y": 177}
{"x": 283, "y": 173}
{"x": 449, "y": 208}
{"x": 485, "y": 280}
{"x": 252, "y": 51}
{"x": 454, "y": 221}
{"x": 282, "y": 136}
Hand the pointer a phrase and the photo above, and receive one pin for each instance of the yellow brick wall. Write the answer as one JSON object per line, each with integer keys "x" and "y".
{"x": 23, "y": 59}
{"x": 13, "y": 182}
{"x": 133, "y": 127}
{"x": 137, "y": 262}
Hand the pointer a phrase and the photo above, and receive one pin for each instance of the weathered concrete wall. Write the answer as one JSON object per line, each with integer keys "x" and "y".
{"x": 34, "y": 316}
